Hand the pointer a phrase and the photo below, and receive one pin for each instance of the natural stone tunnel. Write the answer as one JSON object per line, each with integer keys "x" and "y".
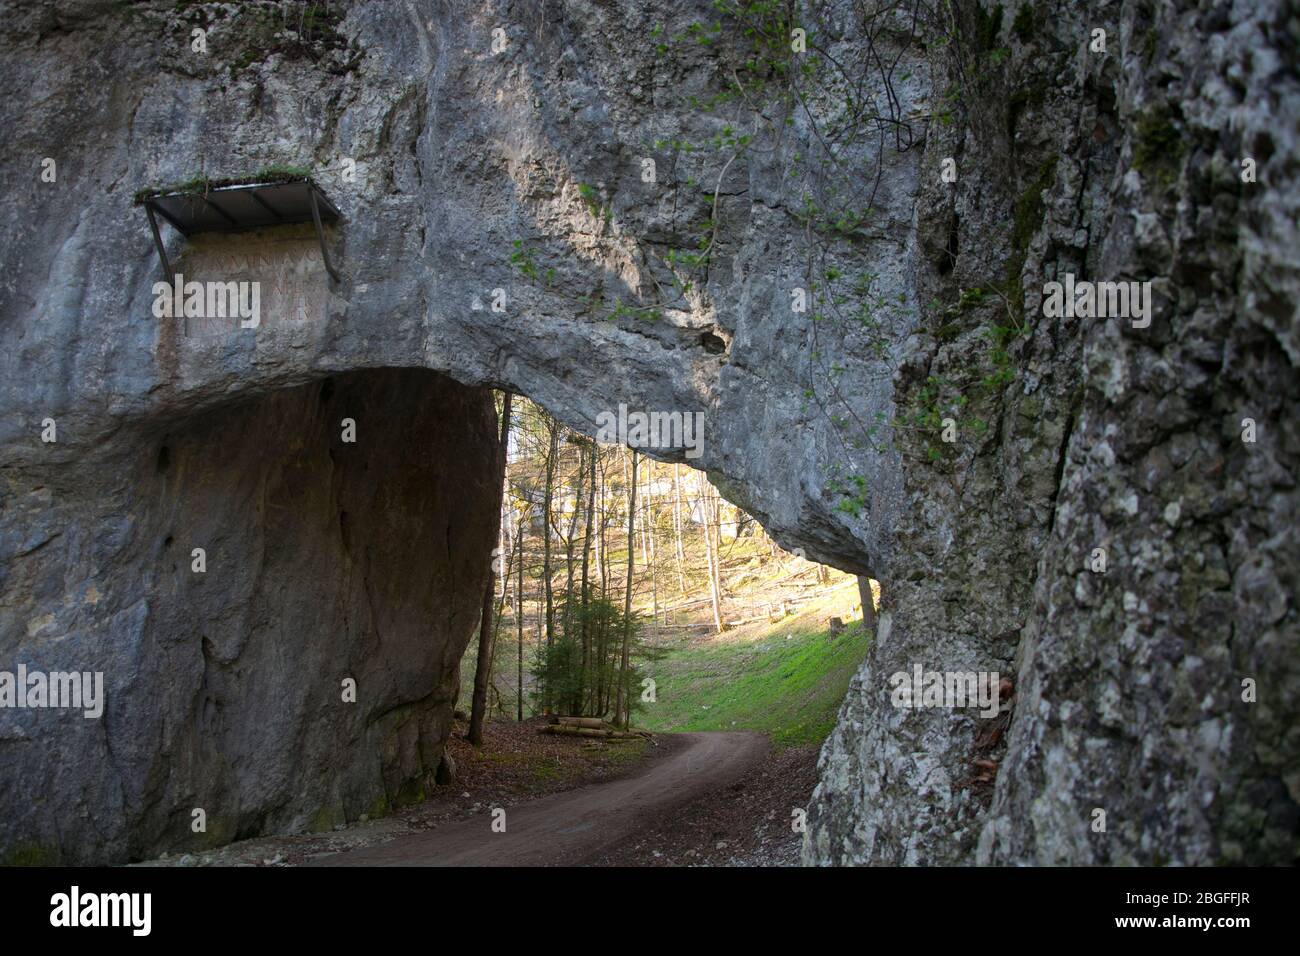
{"x": 460, "y": 168}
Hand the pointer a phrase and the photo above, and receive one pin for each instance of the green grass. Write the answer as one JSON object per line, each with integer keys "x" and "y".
{"x": 790, "y": 688}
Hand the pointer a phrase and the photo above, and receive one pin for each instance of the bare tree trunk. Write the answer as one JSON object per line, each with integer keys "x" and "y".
{"x": 868, "y": 603}
{"x": 546, "y": 530}
{"x": 677, "y": 527}
{"x": 600, "y": 517}
{"x": 622, "y": 709}
{"x": 604, "y": 528}
{"x": 497, "y": 617}
{"x": 641, "y": 534}
{"x": 486, "y": 632}
{"x": 507, "y": 562}
{"x": 649, "y": 523}
{"x": 600, "y": 640}
{"x": 586, "y": 562}
{"x": 709, "y": 551}
{"x": 519, "y": 611}
{"x": 541, "y": 613}
{"x": 503, "y": 538}
{"x": 568, "y": 541}
{"x": 716, "y": 505}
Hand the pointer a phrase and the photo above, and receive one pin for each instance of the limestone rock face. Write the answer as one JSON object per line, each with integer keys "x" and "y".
{"x": 1112, "y": 541}
{"x": 468, "y": 180}
{"x": 501, "y": 226}
{"x": 325, "y": 561}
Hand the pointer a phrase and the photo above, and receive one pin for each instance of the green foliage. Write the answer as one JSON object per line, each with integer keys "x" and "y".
{"x": 853, "y": 496}
{"x": 1027, "y": 217}
{"x": 592, "y": 201}
{"x": 201, "y": 183}
{"x": 928, "y": 412}
{"x": 31, "y": 854}
{"x": 294, "y": 30}
{"x": 195, "y": 184}
{"x": 580, "y": 673}
{"x": 970, "y": 298}
{"x": 941, "y": 398}
{"x": 988, "y": 27}
{"x": 522, "y": 259}
{"x": 281, "y": 173}
{"x": 1025, "y": 25}
{"x": 1158, "y": 146}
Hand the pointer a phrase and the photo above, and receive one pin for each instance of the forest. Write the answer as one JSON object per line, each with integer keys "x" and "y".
{"x": 603, "y": 555}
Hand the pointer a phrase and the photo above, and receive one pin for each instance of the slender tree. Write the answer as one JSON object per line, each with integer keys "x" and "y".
{"x": 586, "y": 563}
{"x": 710, "y": 551}
{"x": 622, "y": 710}
{"x": 603, "y": 539}
{"x": 652, "y": 561}
{"x": 486, "y": 632}
{"x": 677, "y": 527}
{"x": 503, "y": 548}
{"x": 572, "y": 534}
{"x": 547, "y": 502}
{"x": 519, "y": 608}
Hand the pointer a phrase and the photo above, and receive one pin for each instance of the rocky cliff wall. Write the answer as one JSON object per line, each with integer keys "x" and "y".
{"x": 324, "y": 560}
{"x": 599, "y": 203}
{"x": 1106, "y": 532}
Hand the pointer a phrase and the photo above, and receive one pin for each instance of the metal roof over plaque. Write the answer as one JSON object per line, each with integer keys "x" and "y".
{"x": 272, "y": 197}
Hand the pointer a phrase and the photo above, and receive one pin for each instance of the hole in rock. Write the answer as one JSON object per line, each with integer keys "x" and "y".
{"x": 713, "y": 344}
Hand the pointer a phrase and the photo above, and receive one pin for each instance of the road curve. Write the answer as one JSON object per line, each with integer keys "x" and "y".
{"x": 569, "y": 828}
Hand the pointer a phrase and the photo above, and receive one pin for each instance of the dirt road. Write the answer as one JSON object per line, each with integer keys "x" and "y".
{"x": 570, "y": 828}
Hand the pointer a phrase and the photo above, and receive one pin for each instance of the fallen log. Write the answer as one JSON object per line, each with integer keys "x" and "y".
{"x": 746, "y": 620}
{"x": 595, "y": 722}
{"x": 592, "y": 732}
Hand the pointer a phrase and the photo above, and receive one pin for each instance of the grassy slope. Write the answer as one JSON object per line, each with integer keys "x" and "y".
{"x": 788, "y": 683}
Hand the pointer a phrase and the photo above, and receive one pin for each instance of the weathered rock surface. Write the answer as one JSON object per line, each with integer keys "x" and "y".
{"x": 1128, "y": 708}
{"x": 520, "y": 168}
{"x": 441, "y": 156}
{"x": 325, "y": 561}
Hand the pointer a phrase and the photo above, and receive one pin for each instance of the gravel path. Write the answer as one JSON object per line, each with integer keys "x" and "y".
{"x": 581, "y": 826}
